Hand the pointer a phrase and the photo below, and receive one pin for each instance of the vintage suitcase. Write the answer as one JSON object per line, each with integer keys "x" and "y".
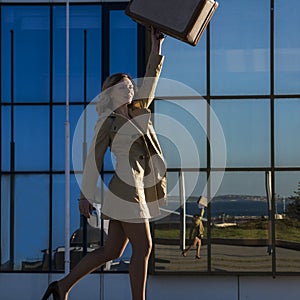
{"x": 185, "y": 20}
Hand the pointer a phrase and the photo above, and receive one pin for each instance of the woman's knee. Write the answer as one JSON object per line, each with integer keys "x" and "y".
{"x": 140, "y": 238}
{"x": 148, "y": 248}
{"x": 143, "y": 249}
{"x": 113, "y": 253}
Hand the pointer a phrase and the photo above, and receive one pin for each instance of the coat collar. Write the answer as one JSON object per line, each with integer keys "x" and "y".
{"x": 139, "y": 118}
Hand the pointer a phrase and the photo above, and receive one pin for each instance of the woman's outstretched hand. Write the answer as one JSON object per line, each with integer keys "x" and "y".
{"x": 157, "y": 38}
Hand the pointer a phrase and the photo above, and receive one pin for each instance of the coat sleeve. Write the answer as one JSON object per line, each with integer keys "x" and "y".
{"x": 94, "y": 160}
{"x": 147, "y": 88}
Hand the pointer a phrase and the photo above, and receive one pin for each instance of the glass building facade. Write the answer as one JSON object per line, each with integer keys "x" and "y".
{"x": 235, "y": 99}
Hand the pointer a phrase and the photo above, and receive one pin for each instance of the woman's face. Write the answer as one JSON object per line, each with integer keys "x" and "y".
{"x": 122, "y": 93}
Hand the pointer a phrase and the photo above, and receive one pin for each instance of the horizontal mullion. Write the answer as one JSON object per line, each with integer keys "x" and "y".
{"x": 183, "y": 97}
{"x": 42, "y": 103}
{"x": 228, "y": 97}
{"x": 212, "y": 169}
{"x": 111, "y": 5}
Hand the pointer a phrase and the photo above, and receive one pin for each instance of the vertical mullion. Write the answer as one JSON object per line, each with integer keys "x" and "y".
{"x": 1, "y": 135}
{"x": 105, "y": 44}
{"x": 208, "y": 150}
{"x": 12, "y": 159}
{"x": 272, "y": 119}
{"x": 51, "y": 139}
{"x": 105, "y": 60}
{"x": 84, "y": 220}
{"x": 84, "y": 150}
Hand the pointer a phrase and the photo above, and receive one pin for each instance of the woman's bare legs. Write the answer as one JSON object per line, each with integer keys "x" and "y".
{"x": 140, "y": 238}
{"x": 198, "y": 248}
{"x": 113, "y": 248}
{"x": 118, "y": 234}
{"x": 196, "y": 242}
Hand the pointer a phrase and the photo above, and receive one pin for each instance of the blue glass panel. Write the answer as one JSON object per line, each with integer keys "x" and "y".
{"x": 81, "y": 18}
{"x": 287, "y": 124}
{"x": 32, "y": 138}
{"x": 109, "y": 161}
{"x": 58, "y": 207}
{"x": 240, "y": 38}
{"x": 185, "y": 63}
{"x": 123, "y": 44}
{"x": 181, "y": 129}
{"x": 59, "y": 53}
{"x": 239, "y": 212}
{"x": 246, "y": 126}
{"x": 59, "y": 117}
{"x": 5, "y": 220}
{"x": 31, "y": 218}
{"x": 241, "y": 184}
{"x": 287, "y": 228}
{"x": 30, "y": 25}
{"x": 5, "y": 60}
{"x": 287, "y": 47}
{"x": 5, "y": 137}
{"x": 286, "y": 184}
{"x": 105, "y": 181}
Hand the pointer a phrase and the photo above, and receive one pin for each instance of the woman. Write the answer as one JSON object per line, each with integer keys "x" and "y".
{"x": 196, "y": 232}
{"x": 138, "y": 186}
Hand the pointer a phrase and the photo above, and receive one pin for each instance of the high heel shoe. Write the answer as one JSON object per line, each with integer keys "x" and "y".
{"x": 52, "y": 290}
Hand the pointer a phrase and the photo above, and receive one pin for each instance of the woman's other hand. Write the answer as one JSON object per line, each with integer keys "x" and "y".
{"x": 85, "y": 207}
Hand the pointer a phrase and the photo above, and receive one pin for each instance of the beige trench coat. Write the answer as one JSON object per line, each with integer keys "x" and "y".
{"x": 138, "y": 186}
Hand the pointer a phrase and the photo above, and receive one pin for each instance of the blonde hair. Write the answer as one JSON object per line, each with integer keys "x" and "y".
{"x": 104, "y": 102}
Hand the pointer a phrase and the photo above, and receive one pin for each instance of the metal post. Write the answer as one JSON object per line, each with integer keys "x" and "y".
{"x": 67, "y": 149}
{"x": 84, "y": 144}
{"x": 182, "y": 210}
{"x": 269, "y": 199}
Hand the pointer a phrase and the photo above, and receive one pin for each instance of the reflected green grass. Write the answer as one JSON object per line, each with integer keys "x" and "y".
{"x": 286, "y": 229}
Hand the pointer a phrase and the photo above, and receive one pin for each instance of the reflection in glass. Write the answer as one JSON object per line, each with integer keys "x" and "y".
{"x": 240, "y": 48}
{"x": 191, "y": 61}
{"x": 5, "y": 137}
{"x": 82, "y": 18}
{"x": 31, "y": 38}
{"x": 181, "y": 129}
{"x": 31, "y": 222}
{"x": 5, "y": 223}
{"x": 31, "y": 137}
{"x": 59, "y": 116}
{"x": 240, "y": 222}
{"x": 287, "y": 218}
{"x": 168, "y": 230}
{"x": 287, "y": 124}
{"x": 246, "y": 126}
{"x": 58, "y": 219}
{"x": 287, "y": 46}
{"x": 239, "y": 65}
{"x": 123, "y": 44}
